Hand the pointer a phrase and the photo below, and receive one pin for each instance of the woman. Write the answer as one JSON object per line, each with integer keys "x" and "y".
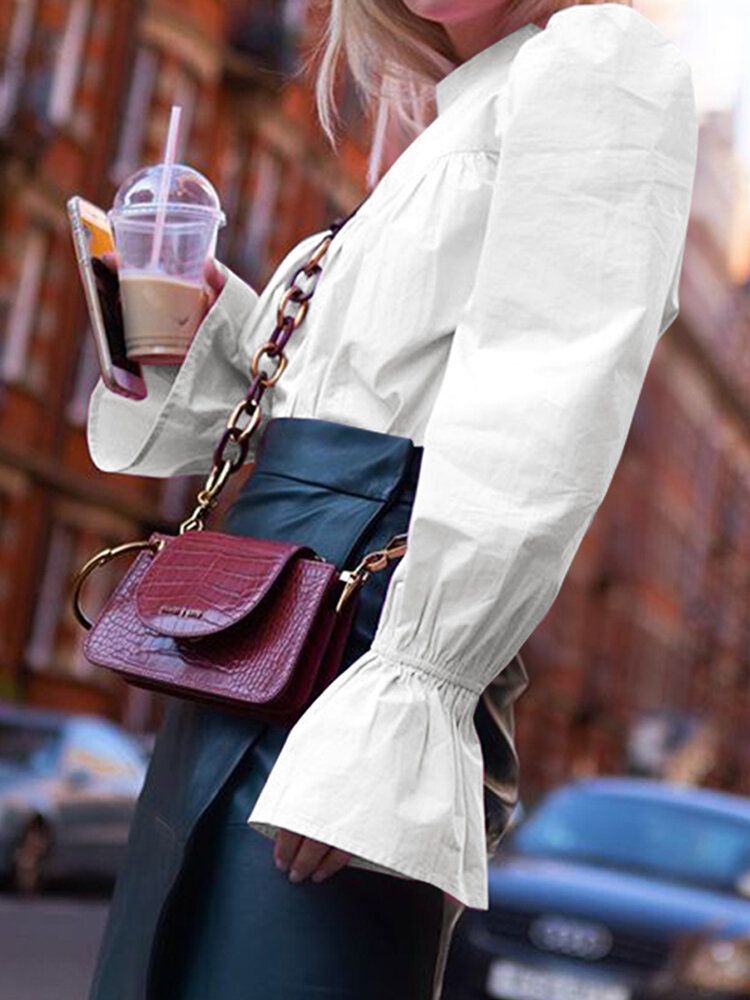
{"x": 489, "y": 312}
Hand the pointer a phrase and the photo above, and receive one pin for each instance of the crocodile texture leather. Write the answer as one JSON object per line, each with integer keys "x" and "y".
{"x": 204, "y": 582}
{"x": 246, "y": 622}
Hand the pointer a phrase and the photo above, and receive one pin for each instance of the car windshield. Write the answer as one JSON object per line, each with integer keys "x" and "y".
{"x": 671, "y": 840}
{"x": 28, "y": 747}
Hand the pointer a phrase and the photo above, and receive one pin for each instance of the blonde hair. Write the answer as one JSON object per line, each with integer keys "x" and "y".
{"x": 395, "y": 58}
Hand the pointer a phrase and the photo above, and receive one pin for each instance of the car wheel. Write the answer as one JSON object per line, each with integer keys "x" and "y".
{"x": 28, "y": 858}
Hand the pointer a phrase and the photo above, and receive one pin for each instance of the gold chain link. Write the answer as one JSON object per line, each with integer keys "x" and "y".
{"x": 286, "y": 298}
{"x": 371, "y": 563}
{"x": 246, "y": 431}
{"x": 272, "y": 351}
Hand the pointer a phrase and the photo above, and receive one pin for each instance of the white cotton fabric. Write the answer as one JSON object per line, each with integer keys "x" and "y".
{"x": 497, "y": 299}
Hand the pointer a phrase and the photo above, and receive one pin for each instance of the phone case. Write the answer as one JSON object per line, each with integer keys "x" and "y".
{"x": 92, "y": 236}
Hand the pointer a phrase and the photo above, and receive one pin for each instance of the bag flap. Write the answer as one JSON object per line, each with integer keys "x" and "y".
{"x": 205, "y": 581}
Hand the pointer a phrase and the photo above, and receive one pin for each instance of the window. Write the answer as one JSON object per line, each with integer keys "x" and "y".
{"x": 34, "y": 95}
{"x": 6, "y": 303}
{"x": 19, "y": 39}
{"x": 260, "y": 214}
{"x": 87, "y": 374}
{"x": 270, "y": 33}
{"x": 258, "y": 31}
{"x": 231, "y": 171}
{"x": 41, "y": 647}
{"x": 294, "y": 18}
{"x": 4, "y": 576}
{"x": 185, "y": 94}
{"x": 176, "y": 84}
{"x": 68, "y": 62}
{"x": 137, "y": 108}
{"x": 56, "y": 642}
{"x": 4, "y": 509}
{"x": 24, "y": 307}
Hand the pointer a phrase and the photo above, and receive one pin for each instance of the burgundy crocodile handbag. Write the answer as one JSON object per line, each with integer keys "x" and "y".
{"x": 256, "y": 625}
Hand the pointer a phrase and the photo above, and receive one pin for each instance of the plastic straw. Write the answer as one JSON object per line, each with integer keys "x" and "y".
{"x": 170, "y": 151}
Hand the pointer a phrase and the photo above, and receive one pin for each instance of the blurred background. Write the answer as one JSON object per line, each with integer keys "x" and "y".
{"x": 640, "y": 695}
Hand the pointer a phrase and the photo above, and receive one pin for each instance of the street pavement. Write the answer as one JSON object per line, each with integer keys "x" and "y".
{"x": 48, "y": 945}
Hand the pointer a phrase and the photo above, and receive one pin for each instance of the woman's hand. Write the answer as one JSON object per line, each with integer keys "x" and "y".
{"x": 214, "y": 280}
{"x": 303, "y": 856}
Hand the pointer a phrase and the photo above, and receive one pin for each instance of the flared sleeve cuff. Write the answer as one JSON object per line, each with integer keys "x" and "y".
{"x": 174, "y": 429}
{"x": 386, "y": 765}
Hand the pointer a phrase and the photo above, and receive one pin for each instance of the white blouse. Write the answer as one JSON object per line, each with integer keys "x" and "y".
{"x": 497, "y": 299}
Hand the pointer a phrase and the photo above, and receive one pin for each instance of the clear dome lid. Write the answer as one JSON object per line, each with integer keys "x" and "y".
{"x": 189, "y": 191}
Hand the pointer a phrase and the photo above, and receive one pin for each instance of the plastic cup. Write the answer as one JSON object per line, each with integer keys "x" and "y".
{"x": 164, "y": 300}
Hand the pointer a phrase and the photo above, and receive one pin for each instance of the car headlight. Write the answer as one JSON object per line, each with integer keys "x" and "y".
{"x": 719, "y": 964}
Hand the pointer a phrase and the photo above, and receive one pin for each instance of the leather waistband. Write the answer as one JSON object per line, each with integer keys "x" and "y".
{"x": 338, "y": 456}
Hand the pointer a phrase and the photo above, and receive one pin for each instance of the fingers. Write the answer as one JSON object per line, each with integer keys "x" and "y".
{"x": 309, "y": 855}
{"x": 304, "y": 857}
{"x": 214, "y": 282}
{"x": 285, "y": 848}
{"x": 332, "y": 862}
{"x": 213, "y": 277}
{"x": 111, "y": 258}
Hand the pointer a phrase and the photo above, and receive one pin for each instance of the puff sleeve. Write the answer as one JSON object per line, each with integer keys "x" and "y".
{"x": 575, "y": 282}
{"x": 174, "y": 430}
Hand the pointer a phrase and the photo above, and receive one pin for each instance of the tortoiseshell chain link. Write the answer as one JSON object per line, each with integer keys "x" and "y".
{"x": 236, "y": 436}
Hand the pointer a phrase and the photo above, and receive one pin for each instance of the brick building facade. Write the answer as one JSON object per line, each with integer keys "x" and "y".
{"x": 85, "y": 92}
{"x": 653, "y": 610}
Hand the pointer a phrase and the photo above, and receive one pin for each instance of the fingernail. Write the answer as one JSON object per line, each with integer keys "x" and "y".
{"x": 280, "y": 864}
{"x": 317, "y": 877}
{"x": 295, "y": 876}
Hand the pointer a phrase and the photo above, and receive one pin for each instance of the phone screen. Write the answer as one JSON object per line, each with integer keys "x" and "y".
{"x": 108, "y": 293}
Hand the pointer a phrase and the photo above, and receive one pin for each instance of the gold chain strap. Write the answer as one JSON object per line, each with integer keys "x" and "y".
{"x": 371, "y": 563}
{"x": 235, "y": 434}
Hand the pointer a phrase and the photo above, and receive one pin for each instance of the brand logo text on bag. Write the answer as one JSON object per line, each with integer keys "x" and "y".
{"x": 168, "y": 609}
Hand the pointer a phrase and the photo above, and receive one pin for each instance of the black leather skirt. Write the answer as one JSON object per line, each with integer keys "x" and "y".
{"x": 200, "y": 912}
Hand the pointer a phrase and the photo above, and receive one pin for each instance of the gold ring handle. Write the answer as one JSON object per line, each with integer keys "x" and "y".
{"x": 101, "y": 559}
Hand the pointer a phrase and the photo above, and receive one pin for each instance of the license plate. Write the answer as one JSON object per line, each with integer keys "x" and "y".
{"x": 511, "y": 981}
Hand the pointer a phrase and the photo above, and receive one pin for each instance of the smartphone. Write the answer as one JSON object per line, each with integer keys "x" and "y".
{"x": 92, "y": 236}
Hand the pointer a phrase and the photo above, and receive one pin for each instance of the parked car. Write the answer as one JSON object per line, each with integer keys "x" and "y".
{"x": 614, "y": 889}
{"x": 68, "y": 787}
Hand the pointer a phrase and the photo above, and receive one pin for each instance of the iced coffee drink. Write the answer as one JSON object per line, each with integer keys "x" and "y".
{"x": 161, "y": 315}
{"x": 165, "y": 227}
